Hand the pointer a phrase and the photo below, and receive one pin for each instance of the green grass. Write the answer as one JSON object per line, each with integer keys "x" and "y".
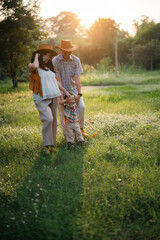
{"x": 107, "y": 190}
{"x": 138, "y": 77}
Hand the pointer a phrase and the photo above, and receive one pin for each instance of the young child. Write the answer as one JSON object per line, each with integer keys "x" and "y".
{"x": 71, "y": 120}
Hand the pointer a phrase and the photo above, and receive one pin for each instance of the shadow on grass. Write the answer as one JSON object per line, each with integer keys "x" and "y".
{"x": 49, "y": 200}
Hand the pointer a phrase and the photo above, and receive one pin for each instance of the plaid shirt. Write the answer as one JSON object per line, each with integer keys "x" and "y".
{"x": 66, "y": 70}
{"x": 71, "y": 112}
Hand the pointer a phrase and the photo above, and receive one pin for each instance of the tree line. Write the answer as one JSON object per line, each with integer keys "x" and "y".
{"x": 22, "y": 30}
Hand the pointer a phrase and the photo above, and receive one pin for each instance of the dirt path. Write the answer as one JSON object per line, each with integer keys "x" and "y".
{"x": 94, "y": 87}
{"x": 88, "y": 88}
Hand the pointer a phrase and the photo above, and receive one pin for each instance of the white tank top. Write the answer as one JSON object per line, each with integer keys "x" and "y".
{"x": 49, "y": 85}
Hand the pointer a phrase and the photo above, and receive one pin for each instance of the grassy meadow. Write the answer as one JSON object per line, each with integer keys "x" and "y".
{"x": 108, "y": 189}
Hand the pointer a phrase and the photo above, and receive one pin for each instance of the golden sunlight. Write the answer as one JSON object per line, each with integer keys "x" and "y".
{"x": 124, "y": 12}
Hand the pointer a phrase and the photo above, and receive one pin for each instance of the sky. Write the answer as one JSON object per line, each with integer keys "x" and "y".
{"x": 124, "y": 12}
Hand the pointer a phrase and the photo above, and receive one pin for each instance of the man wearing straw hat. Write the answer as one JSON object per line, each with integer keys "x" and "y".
{"x": 68, "y": 69}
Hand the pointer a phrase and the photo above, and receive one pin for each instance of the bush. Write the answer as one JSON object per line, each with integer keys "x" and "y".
{"x": 105, "y": 64}
{"x": 88, "y": 68}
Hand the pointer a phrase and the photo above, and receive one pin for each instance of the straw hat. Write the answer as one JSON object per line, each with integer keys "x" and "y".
{"x": 45, "y": 47}
{"x": 67, "y": 46}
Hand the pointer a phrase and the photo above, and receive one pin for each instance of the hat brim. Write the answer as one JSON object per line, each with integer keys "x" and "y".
{"x": 67, "y": 49}
{"x": 46, "y": 50}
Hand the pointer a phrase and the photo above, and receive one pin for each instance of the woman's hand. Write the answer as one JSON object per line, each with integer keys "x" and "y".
{"x": 37, "y": 55}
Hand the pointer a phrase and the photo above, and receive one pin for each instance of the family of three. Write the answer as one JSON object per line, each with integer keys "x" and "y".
{"x": 55, "y": 82}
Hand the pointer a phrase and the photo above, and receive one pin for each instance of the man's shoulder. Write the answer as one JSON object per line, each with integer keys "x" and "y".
{"x": 56, "y": 58}
{"x": 75, "y": 58}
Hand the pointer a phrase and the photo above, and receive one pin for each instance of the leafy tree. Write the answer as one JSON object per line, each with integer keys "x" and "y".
{"x": 146, "y": 31}
{"x": 18, "y": 29}
{"x": 125, "y": 44}
{"x": 102, "y": 36}
{"x": 65, "y": 23}
{"x": 147, "y": 44}
{"x": 148, "y": 55}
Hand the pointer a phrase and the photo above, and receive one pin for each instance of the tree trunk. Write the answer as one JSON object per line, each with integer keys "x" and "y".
{"x": 133, "y": 61}
{"x": 14, "y": 79}
{"x": 116, "y": 54}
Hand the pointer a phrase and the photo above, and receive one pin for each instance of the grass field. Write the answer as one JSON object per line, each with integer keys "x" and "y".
{"x": 107, "y": 190}
{"x": 137, "y": 77}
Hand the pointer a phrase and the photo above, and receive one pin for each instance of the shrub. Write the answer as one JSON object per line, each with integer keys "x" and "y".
{"x": 88, "y": 68}
{"x": 104, "y": 64}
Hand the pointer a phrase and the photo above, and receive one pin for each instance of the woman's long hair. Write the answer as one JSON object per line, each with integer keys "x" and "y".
{"x": 42, "y": 64}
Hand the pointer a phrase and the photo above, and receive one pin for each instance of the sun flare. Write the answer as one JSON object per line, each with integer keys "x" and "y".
{"x": 122, "y": 11}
